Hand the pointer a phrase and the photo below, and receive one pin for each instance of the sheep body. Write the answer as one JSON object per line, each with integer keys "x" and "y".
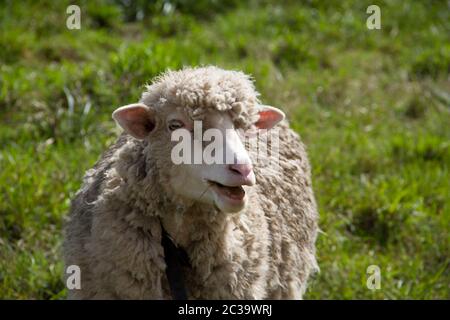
{"x": 114, "y": 229}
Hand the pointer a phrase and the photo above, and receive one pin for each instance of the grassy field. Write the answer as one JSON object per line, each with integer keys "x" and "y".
{"x": 373, "y": 107}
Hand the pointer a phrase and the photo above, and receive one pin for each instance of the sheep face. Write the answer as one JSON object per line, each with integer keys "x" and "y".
{"x": 218, "y": 169}
{"x": 208, "y": 161}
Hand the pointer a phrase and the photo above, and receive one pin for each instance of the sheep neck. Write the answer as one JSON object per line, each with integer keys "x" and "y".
{"x": 183, "y": 225}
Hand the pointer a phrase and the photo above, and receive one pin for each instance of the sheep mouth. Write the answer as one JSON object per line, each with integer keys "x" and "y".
{"x": 232, "y": 192}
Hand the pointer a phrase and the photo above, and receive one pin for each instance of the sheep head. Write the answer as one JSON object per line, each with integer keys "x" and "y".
{"x": 196, "y": 128}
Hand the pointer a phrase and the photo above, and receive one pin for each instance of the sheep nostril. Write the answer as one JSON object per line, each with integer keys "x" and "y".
{"x": 241, "y": 169}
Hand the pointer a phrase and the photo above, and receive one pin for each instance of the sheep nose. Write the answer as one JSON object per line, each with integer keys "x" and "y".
{"x": 241, "y": 169}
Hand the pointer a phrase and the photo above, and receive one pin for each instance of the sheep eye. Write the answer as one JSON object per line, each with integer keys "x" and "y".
{"x": 175, "y": 124}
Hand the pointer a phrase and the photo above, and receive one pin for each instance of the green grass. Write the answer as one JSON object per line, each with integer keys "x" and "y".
{"x": 373, "y": 107}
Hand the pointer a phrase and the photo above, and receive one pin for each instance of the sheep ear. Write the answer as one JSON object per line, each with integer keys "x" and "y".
{"x": 136, "y": 119}
{"x": 268, "y": 117}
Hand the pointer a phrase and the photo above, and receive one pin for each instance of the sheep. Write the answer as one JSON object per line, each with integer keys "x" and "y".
{"x": 244, "y": 230}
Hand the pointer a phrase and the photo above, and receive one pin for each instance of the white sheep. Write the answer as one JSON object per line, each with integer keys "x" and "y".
{"x": 142, "y": 227}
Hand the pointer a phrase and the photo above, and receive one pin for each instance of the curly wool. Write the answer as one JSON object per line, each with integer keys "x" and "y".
{"x": 202, "y": 89}
{"x": 266, "y": 251}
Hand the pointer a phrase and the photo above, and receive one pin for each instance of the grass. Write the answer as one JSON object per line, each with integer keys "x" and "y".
{"x": 372, "y": 107}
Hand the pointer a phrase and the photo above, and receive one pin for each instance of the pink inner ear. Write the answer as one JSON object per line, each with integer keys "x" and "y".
{"x": 138, "y": 121}
{"x": 268, "y": 119}
{"x": 135, "y": 119}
